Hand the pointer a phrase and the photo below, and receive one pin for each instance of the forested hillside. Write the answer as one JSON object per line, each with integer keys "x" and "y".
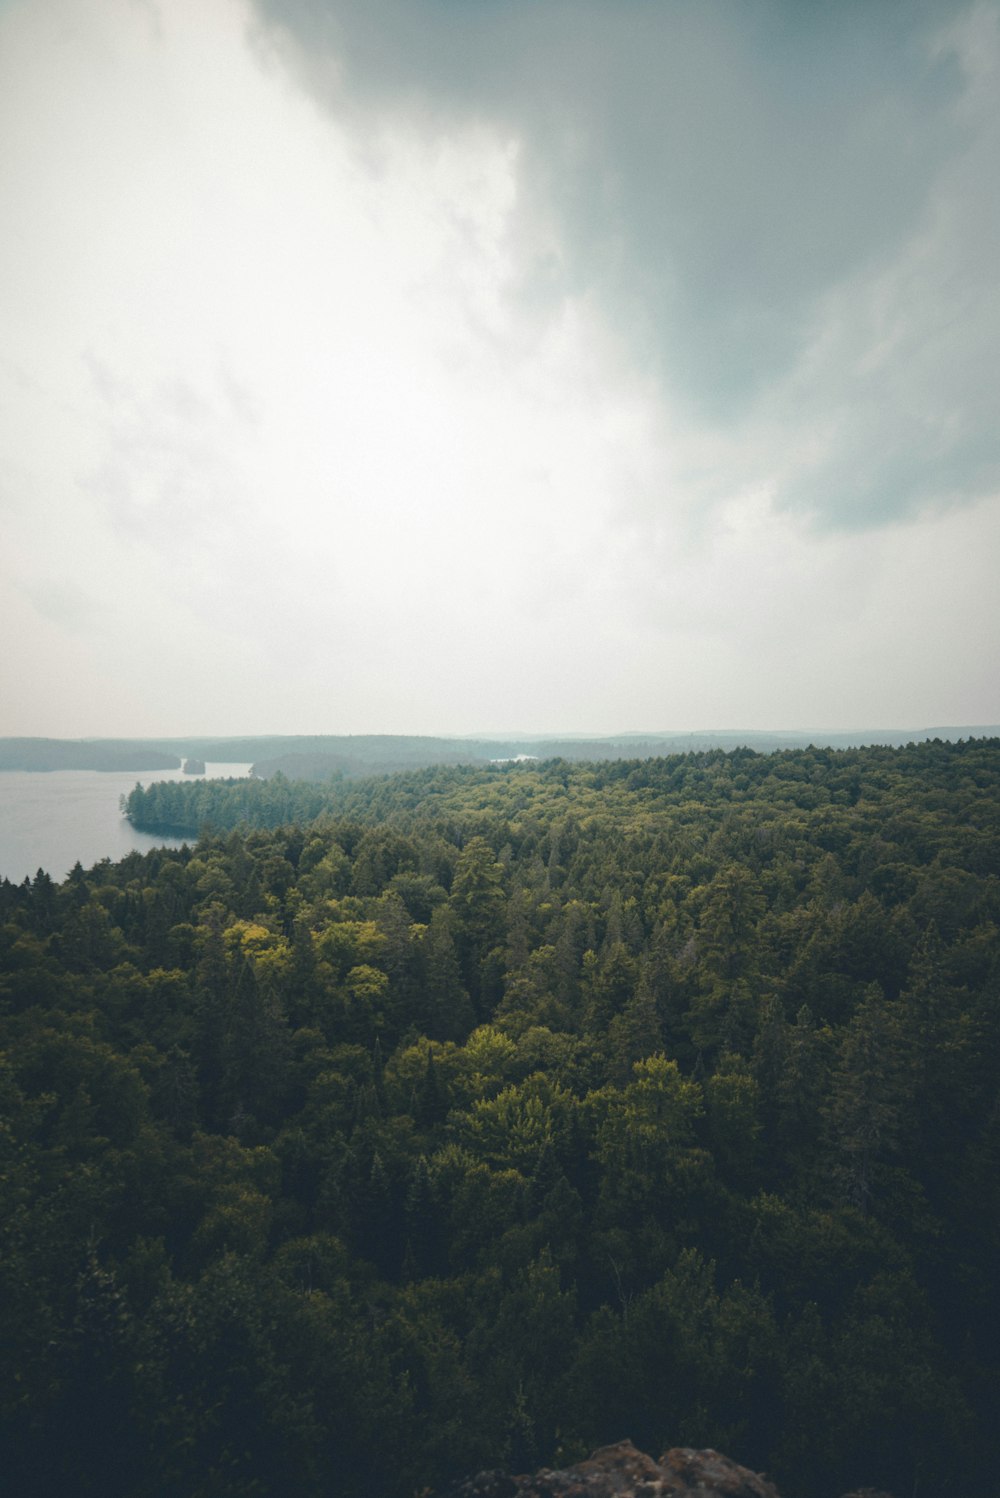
{"x": 84, "y": 754}
{"x": 476, "y": 1117}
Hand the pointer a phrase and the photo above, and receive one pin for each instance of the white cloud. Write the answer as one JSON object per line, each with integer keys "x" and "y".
{"x": 287, "y": 445}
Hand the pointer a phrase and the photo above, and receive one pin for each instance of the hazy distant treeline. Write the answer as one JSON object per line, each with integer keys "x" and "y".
{"x": 320, "y": 756}
{"x": 85, "y": 754}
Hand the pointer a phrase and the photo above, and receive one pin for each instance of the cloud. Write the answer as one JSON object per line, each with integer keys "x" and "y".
{"x": 273, "y": 400}
{"x": 438, "y": 367}
{"x": 782, "y": 207}
{"x": 65, "y": 602}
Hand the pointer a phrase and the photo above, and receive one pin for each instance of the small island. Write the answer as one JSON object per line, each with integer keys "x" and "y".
{"x": 194, "y": 766}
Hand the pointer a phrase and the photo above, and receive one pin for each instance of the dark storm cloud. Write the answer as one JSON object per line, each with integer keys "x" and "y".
{"x": 715, "y": 170}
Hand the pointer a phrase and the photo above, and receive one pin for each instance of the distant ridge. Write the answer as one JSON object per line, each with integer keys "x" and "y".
{"x": 318, "y": 756}
{"x": 86, "y": 754}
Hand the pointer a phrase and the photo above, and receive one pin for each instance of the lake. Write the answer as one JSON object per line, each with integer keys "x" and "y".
{"x": 52, "y": 819}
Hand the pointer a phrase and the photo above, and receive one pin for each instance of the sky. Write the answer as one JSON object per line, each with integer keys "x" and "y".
{"x": 466, "y": 366}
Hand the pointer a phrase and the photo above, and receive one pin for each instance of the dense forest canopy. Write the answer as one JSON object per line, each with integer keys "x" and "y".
{"x": 480, "y": 1115}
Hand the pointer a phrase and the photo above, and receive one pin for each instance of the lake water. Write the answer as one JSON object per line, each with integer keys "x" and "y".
{"x": 52, "y": 819}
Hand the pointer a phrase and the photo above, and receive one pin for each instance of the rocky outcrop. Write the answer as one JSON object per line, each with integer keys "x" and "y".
{"x": 621, "y": 1471}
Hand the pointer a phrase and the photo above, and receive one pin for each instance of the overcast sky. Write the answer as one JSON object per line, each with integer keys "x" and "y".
{"x": 450, "y": 366}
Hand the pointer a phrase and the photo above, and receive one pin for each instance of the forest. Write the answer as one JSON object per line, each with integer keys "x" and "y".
{"x": 476, "y": 1116}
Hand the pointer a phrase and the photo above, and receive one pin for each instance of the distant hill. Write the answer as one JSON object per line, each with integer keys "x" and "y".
{"x": 85, "y": 754}
{"x": 352, "y": 756}
{"x": 318, "y": 757}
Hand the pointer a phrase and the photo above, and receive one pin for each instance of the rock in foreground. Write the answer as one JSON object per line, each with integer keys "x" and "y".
{"x": 620, "y": 1471}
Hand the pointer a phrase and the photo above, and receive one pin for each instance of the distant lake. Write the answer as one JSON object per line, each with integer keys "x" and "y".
{"x": 52, "y": 819}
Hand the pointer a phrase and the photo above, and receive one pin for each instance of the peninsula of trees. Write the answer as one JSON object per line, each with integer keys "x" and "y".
{"x": 478, "y": 1116}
